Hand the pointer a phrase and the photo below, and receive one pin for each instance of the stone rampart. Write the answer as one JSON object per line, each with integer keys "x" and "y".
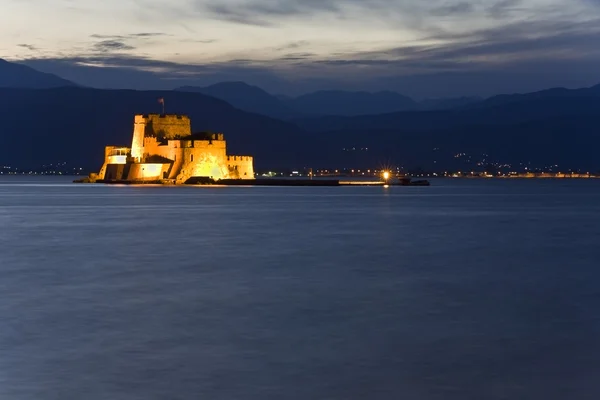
{"x": 240, "y": 167}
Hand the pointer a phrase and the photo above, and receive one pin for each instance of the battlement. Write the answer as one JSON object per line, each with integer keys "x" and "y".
{"x": 169, "y": 126}
{"x": 207, "y": 136}
{"x": 239, "y": 159}
{"x": 149, "y": 117}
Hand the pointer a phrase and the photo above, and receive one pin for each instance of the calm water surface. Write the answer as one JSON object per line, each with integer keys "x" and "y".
{"x": 463, "y": 290}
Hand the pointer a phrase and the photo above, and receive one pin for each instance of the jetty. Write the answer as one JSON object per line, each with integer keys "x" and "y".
{"x": 206, "y": 181}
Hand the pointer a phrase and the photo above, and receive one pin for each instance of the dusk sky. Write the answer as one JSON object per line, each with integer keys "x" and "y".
{"x": 419, "y": 48}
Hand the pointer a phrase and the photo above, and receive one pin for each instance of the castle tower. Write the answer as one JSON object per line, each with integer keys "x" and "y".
{"x": 159, "y": 126}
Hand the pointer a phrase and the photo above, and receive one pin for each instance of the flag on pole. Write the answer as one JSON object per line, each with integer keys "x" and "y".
{"x": 162, "y": 101}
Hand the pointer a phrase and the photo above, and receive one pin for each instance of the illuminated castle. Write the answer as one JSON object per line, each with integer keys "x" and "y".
{"x": 164, "y": 148}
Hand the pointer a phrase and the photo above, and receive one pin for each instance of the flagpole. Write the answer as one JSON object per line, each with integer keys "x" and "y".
{"x": 162, "y": 101}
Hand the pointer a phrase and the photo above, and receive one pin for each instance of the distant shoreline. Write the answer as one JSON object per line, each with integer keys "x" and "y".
{"x": 349, "y": 176}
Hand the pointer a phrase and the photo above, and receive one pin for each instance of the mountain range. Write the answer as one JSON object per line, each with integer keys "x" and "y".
{"x": 21, "y": 76}
{"x": 248, "y": 98}
{"x": 321, "y": 103}
{"x": 53, "y": 120}
{"x": 72, "y": 124}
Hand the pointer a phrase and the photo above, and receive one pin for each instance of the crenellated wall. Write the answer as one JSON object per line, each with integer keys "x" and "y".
{"x": 240, "y": 167}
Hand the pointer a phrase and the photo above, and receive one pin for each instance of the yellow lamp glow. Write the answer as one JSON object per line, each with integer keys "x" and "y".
{"x": 386, "y": 175}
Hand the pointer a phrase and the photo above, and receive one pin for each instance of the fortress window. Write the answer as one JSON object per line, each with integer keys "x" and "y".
{"x": 192, "y": 158}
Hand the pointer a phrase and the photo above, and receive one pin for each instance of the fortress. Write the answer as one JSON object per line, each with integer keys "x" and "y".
{"x": 165, "y": 149}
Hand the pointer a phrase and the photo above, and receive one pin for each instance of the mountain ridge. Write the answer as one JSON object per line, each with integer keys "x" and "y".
{"x": 320, "y": 103}
{"x": 340, "y": 103}
{"x": 345, "y": 103}
{"x": 245, "y": 97}
{"x": 17, "y": 75}
{"x": 74, "y": 124}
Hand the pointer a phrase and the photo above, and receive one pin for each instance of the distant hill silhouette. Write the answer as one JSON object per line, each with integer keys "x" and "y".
{"x": 556, "y": 126}
{"x": 283, "y": 97}
{"x": 566, "y": 141}
{"x": 343, "y": 103}
{"x": 543, "y": 94}
{"x": 74, "y": 125}
{"x": 21, "y": 76}
{"x": 246, "y": 97}
{"x": 323, "y": 103}
{"x": 499, "y": 110}
{"x": 448, "y": 103}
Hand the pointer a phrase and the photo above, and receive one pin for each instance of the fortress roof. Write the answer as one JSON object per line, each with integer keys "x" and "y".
{"x": 178, "y": 116}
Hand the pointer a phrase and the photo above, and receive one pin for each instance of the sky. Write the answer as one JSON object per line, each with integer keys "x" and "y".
{"x": 421, "y": 48}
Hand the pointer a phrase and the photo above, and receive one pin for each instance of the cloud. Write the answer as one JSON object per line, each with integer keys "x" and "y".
{"x": 503, "y": 8}
{"x": 128, "y": 36}
{"x": 203, "y": 41}
{"x": 28, "y": 46}
{"x": 453, "y": 9}
{"x": 298, "y": 56}
{"x": 518, "y": 55}
{"x": 478, "y": 49}
{"x": 116, "y": 43}
{"x": 294, "y": 45}
{"x": 131, "y": 62}
{"x": 487, "y": 49}
{"x": 333, "y": 42}
{"x": 112, "y": 71}
{"x": 270, "y": 13}
{"x": 227, "y": 13}
{"x": 98, "y": 36}
{"x": 266, "y": 12}
{"x": 147, "y": 34}
{"x": 112, "y": 45}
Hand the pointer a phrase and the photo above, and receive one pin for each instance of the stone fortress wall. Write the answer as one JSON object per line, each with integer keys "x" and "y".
{"x": 240, "y": 167}
{"x": 164, "y": 147}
